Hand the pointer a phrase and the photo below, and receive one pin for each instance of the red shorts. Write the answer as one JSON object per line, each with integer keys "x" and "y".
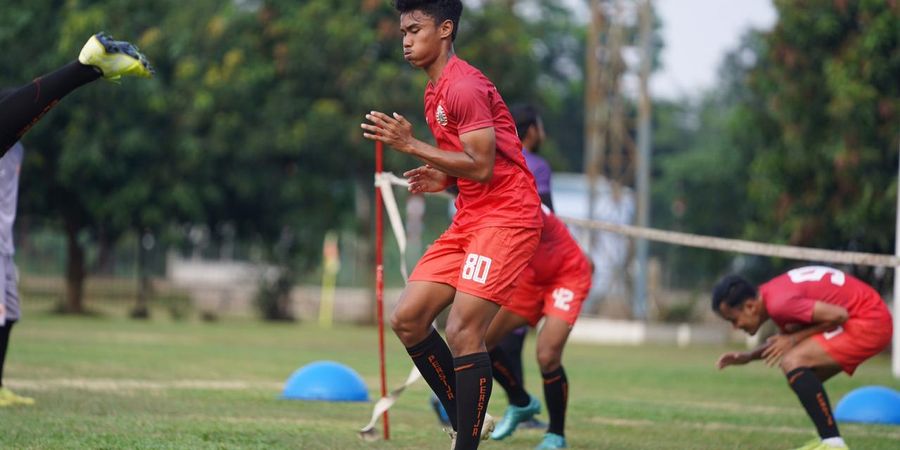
{"x": 857, "y": 340}
{"x": 560, "y": 296}
{"x": 484, "y": 262}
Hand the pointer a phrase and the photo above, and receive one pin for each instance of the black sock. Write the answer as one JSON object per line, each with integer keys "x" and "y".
{"x": 25, "y": 106}
{"x": 507, "y": 379}
{"x": 512, "y": 344}
{"x": 556, "y": 394}
{"x": 473, "y": 381}
{"x": 435, "y": 362}
{"x": 812, "y": 395}
{"x": 4, "y": 343}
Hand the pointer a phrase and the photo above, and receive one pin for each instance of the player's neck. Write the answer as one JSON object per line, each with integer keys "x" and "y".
{"x": 436, "y": 69}
{"x": 764, "y": 312}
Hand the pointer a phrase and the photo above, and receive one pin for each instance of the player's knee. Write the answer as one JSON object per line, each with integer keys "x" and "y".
{"x": 463, "y": 340}
{"x": 406, "y": 329}
{"x": 397, "y": 323}
{"x": 793, "y": 360}
{"x": 548, "y": 360}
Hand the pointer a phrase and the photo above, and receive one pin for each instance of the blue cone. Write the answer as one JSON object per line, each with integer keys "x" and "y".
{"x": 870, "y": 404}
{"x": 327, "y": 381}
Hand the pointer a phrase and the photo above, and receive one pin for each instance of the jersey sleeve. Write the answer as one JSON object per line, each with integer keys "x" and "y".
{"x": 469, "y": 102}
{"x": 792, "y": 310}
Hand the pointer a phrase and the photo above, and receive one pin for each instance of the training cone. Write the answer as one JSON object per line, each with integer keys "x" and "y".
{"x": 326, "y": 381}
{"x": 870, "y": 404}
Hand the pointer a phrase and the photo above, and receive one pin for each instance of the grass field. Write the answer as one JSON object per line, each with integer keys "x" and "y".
{"x": 109, "y": 382}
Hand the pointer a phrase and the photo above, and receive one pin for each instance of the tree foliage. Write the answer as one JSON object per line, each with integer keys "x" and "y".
{"x": 798, "y": 144}
{"x": 824, "y": 171}
{"x": 250, "y": 127}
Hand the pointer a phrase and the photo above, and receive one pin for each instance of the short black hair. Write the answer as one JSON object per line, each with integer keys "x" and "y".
{"x": 525, "y": 115}
{"x": 733, "y": 291}
{"x": 440, "y": 10}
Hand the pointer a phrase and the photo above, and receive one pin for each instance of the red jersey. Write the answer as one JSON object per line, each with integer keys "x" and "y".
{"x": 464, "y": 100}
{"x": 558, "y": 253}
{"x": 789, "y": 298}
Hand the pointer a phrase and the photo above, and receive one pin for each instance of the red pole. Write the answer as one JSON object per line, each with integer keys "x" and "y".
{"x": 379, "y": 279}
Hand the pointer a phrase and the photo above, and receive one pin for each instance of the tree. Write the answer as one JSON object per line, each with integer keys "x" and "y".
{"x": 702, "y": 158}
{"x": 825, "y": 158}
{"x": 85, "y": 139}
{"x": 250, "y": 128}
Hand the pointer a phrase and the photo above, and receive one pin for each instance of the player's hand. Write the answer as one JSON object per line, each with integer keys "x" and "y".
{"x": 394, "y": 130}
{"x": 732, "y": 359}
{"x": 778, "y": 345}
{"x": 426, "y": 179}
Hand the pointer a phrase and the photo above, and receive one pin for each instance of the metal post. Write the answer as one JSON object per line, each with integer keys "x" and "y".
{"x": 895, "y": 355}
{"x": 593, "y": 98}
{"x": 639, "y": 304}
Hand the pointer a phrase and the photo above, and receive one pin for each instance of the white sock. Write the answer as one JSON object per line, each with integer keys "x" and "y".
{"x": 836, "y": 441}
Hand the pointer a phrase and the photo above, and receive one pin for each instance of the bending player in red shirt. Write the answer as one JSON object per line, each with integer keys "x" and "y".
{"x": 829, "y": 321}
{"x": 494, "y": 233}
{"x": 553, "y": 286}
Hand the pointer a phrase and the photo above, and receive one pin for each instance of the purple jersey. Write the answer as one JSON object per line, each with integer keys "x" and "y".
{"x": 540, "y": 169}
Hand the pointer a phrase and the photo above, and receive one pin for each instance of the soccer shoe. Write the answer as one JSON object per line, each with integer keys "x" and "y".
{"x": 8, "y": 398}
{"x": 824, "y": 446}
{"x": 817, "y": 444}
{"x": 114, "y": 58}
{"x": 486, "y": 429}
{"x": 515, "y": 415}
{"x": 552, "y": 440}
{"x": 810, "y": 445}
{"x": 532, "y": 424}
{"x": 439, "y": 411}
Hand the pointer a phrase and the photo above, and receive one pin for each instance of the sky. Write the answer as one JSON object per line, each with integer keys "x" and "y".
{"x": 698, "y": 34}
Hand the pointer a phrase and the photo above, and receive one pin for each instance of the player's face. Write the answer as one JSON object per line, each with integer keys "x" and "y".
{"x": 744, "y": 317}
{"x": 422, "y": 37}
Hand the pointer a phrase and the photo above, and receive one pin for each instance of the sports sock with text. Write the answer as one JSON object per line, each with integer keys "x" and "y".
{"x": 512, "y": 344}
{"x": 473, "y": 383}
{"x": 505, "y": 375}
{"x": 435, "y": 362}
{"x": 812, "y": 395}
{"x": 556, "y": 394}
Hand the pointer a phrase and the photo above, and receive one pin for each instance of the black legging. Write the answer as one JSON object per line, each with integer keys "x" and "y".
{"x": 4, "y": 343}
{"x": 23, "y": 107}
{"x": 512, "y": 344}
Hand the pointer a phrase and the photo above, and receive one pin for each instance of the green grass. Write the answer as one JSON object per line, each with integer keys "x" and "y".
{"x": 108, "y": 382}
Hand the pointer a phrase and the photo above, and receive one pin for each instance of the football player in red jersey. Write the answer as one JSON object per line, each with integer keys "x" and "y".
{"x": 553, "y": 286}
{"x": 495, "y": 231}
{"x": 828, "y": 322}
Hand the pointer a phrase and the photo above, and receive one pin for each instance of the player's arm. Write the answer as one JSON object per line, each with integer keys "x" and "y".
{"x": 740, "y": 358}
{"x": 475, "y": 161}
{"x": 825, "y": 317}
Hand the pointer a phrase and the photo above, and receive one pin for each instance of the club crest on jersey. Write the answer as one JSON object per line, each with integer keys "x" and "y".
{"x": 441, "y": 116}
